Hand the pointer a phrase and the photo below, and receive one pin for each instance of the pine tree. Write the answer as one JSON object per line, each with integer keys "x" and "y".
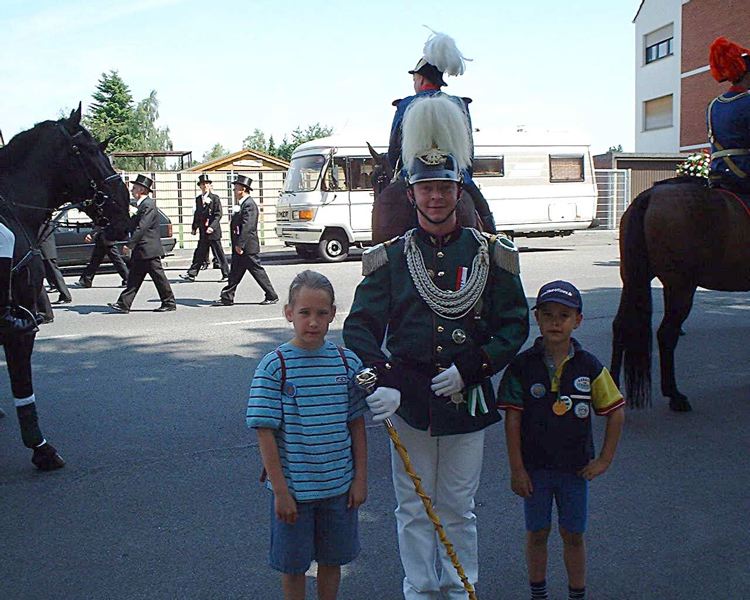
{"x": 111, "y": 115}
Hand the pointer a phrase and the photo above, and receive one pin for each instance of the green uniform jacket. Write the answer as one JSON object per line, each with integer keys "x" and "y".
{"x": 420, "y": 342}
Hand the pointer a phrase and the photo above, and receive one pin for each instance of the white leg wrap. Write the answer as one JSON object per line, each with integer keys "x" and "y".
{"x": 24, "y": 401}
{"x": 7, "y": 242}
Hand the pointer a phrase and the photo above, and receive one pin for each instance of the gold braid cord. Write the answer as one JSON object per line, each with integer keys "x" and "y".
{"x": 428, "y": 508}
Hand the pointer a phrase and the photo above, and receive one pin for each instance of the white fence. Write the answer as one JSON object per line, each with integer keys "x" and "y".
{"x": 613, "y": 190}
{"x": 175, "y": 194}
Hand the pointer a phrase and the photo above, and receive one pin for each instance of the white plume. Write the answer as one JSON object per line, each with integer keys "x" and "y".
{"x": 436, "y": 122}
{"x": 440, "y": 51}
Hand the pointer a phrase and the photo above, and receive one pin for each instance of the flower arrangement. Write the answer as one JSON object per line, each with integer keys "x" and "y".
{"x": 695, "y": 165}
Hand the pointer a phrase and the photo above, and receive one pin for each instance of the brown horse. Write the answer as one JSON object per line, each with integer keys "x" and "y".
{"x": 687, "y": 235}
{"x": 393, "y": 214}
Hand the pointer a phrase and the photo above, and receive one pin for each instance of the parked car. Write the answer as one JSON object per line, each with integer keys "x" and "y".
{"x": 74, "y": 225}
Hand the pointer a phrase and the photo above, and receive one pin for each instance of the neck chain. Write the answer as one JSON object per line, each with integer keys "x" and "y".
{"x": 448, "y": 304}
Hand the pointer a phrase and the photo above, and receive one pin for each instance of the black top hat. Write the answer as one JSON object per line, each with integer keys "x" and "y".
{"x": 431, "y": 72}
{"x": 204, "y": 178}
{"x": 146, "y": 182}
{"x": 244, "y": 181}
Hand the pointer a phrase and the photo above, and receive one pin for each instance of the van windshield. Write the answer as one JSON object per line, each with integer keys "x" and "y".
{"x": 304, "y": 173}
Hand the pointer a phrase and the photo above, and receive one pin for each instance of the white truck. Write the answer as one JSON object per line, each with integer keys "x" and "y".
{"x": 536, "y": 185}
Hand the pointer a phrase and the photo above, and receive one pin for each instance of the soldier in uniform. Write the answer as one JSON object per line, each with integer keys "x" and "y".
{"x": 728, "y": 116}
{"x": 207, "y": 223}
{"x": 441, "y": 56}
{"x": 455, "y": 313}
{"x": 245, "y": 246}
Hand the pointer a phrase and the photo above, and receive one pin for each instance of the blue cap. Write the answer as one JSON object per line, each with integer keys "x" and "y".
{"x": 562, "y": 292}
{"x": 434, "y": 165}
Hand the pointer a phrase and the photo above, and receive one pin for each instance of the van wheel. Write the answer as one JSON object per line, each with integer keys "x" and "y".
{"x": 305, "y": 251}
{"x": 333, "y": 247}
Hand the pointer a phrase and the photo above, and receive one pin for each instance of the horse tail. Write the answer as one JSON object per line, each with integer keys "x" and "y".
{"x": 632, "y": 336}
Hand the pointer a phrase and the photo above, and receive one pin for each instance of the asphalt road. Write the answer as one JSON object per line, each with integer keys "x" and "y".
{"x": 160, "y": 497}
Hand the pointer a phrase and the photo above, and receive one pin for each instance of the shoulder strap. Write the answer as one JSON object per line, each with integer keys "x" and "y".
{"x": 283, "y": 369}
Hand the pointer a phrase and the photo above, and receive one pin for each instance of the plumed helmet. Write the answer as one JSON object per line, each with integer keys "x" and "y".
{"x": 728, "y": 61}
{"x": 436, "y": 141}
{"x": 440, "y": 55}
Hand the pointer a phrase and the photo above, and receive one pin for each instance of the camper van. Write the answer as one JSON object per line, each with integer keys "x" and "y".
{"x": 536, "y": 185}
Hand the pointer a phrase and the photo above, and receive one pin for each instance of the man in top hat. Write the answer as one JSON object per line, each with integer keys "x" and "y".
{"x": 146, "y": 251}
{"x": 207, "y": 223}
{"x": 245, "y": 245}
{"x": 450, "y": 305}
{"x": 730, "y": 142}
{"x": 441, "y": 56}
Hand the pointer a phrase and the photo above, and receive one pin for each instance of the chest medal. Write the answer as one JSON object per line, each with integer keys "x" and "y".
{"x": 562, "y": 405}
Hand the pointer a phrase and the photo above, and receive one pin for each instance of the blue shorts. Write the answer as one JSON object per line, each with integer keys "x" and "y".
{"x": 325, "y": 531}
{"x": 571, "y": 494}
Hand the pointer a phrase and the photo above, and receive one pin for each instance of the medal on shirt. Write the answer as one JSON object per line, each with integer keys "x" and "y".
{"x": 562, "y": 405}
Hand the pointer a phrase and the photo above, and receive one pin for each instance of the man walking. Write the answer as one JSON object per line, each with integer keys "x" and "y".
{"x": 245, "y": 246}
{"x": 146, "y": 251}
{"x": 207, "y": 223}
{"x": 103, "y": 246}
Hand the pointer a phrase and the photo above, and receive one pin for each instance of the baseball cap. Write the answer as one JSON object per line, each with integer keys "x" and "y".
{"x": 562, "y": 292}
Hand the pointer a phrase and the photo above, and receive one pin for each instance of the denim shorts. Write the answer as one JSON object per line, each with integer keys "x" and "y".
{"x": 326, "y": 531}
{"x": 571, "y": 494}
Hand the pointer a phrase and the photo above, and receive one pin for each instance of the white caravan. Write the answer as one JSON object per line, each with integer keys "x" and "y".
{"x": 535, "y": 184}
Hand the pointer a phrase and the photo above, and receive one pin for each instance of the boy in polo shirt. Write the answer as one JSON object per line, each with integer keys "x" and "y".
{"x": 548, "y": 393}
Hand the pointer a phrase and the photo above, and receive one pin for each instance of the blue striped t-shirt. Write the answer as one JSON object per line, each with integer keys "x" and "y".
{"x": 310, "y": 417}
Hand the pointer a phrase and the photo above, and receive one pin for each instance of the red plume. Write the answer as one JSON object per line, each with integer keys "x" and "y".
{"x": 726, "y": 60}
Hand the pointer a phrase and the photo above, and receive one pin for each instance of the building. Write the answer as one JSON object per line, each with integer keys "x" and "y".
{"x": 673, "y": 84}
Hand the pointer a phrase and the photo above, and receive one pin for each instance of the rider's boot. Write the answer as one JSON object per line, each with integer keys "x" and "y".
{"x": 9, "y": 321}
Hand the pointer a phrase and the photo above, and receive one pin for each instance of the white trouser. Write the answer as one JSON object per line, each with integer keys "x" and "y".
{"x": 7, "y": 242}
{"x": 449, "y": 467}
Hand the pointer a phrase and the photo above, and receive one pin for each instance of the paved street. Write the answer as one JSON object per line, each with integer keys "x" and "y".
{"x": 160, "y": 497}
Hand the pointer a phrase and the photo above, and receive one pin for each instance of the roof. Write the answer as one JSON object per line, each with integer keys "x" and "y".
{"x": 227, "y": 160}
{"x": 640, "y": 6}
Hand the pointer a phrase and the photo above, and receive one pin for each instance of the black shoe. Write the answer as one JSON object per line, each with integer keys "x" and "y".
{"x": 42, "y": 319}
{"x": 224, "y": 278}
{"x": 63, "y": 300}
{"x": 117, "y": 307}
{"x": 189, "y": 278}
{"x": 123, "y": 283}
{"x": 222, "y": 303}
{"x": 166, "y": 308}
{"x": 269, "y": 301}
{"x": 83, "y": 284}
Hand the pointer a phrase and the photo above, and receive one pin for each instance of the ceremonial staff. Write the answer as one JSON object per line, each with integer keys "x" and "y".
{"x": 367, "y": 379}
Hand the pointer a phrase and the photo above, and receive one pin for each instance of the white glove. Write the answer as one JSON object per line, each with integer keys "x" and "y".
{"x": 383, "y": 402}
{"x": 448, "y": 382}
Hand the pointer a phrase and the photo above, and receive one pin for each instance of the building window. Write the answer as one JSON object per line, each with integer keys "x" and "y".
{"x": 657, "y": 113}
{"x": 489, "y": 166}
{"x": 565, "y": 168}
{"x": 659, "y": 44}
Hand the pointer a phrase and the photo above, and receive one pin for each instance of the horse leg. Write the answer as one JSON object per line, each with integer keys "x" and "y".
{"x": 18, "y": 350}
{"x": 678, "y": 300}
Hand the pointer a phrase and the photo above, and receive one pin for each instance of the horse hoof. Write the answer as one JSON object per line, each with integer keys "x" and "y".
{"x": 46, "y": 458}
{"x": 680, "y": 404}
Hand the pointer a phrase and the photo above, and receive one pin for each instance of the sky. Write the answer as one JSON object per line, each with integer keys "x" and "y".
{"x": 222, "y": 69}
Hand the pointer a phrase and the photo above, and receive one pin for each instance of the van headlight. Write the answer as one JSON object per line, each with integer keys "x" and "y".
{"x": 305, "y": 214}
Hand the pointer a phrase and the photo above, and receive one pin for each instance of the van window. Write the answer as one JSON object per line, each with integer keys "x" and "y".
{"x": 335, "y": 177}
{"x": 565, "y": 168}
{"x": 489, "y": 166}
{"x": 303, "y": 174}
{"x": 360, "y": 173}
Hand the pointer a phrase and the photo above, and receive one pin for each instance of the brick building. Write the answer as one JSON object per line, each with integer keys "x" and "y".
{"x": 673, "y": 81}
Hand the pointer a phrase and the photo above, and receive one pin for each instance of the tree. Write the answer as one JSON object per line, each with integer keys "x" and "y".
{"x": 299, "y": 136}
{"x": 217, "y": 151}
{"x": 617, "y": 148}
{"x": 255, "y": 141}
{"x": 148, "y": 136}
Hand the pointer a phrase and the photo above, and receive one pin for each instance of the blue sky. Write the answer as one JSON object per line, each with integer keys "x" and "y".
{"x": 223, "y": 68}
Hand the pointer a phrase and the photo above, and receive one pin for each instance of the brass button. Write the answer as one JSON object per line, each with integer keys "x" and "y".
{"x": 485, "y": 366}
{"x": 441, "y": 273}
{"x": 440, "y": 328}
{"x": 439, "y": 348}
{"x": 440, "y": 254}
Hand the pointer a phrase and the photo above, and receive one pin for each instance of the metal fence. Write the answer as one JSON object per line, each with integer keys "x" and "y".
{"x": 613, "y": 190}
{"x": 175, "y": 194}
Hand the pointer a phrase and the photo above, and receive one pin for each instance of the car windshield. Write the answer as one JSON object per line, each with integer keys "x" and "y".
{"x": 304, "y": 173}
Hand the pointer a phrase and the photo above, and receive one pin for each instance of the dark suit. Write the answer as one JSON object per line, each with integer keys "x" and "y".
{"x": 244, "y": 234}
{"x": 145, "y": 259}
{"x": 49, "y": 256}
{"x": 205, "y": 216}
{"x": 103, "y": 247}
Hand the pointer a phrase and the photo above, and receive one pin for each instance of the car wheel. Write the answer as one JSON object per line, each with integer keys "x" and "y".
{"x": 333, "y": 247}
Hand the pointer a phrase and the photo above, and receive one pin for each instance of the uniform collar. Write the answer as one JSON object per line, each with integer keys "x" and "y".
{"x": 737, "y": 89}
{"x": 429, "y": 87}
{"x": 438, "y": 241}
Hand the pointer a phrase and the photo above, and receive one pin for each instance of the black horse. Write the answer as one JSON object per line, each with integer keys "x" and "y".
{"x": 54, "y": 163}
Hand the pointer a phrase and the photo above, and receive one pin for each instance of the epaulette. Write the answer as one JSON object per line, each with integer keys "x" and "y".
{"x": 375, "y": 257}
{"x": 504, "y": 253}
{"x": 396, "y": 102}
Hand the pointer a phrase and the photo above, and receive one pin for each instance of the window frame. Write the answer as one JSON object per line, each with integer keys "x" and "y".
{"x": 671, "y": 113}
{"x": 658, "y": 55}
{"x": 580, "y": 157}
{"x": 500, "y": 173}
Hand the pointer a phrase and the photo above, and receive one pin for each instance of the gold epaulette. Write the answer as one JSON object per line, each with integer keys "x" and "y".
{"x": 375, "y": 257}
{"x": 504, "y": 253}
